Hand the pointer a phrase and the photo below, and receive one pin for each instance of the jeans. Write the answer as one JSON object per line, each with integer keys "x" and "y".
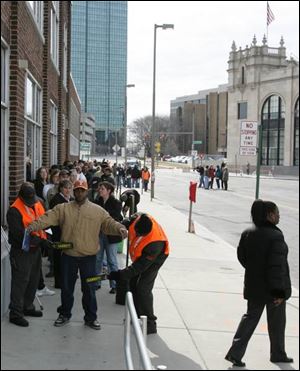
{"x": 201, "y": 181}
{"x": 111, "y": 250}
{"x": 135, "y": 183}
{"x": 70, "y": 266}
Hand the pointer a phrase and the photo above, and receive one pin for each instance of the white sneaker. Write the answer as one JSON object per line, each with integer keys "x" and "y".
{"x": 45, "y": 292}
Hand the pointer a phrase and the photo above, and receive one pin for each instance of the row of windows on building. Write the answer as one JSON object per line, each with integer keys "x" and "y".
{"x": 273, "y": 125}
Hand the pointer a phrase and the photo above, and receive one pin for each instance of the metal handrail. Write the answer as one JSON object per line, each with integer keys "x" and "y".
{"x": 130, "y": 315}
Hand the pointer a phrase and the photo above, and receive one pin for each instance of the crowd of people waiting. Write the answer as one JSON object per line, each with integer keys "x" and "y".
{"x": 209, "y": 173}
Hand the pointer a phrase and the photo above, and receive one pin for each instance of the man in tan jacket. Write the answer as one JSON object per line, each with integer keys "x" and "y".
{"x": 80, "y": 222}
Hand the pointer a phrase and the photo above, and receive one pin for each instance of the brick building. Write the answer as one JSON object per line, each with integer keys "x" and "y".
{"x": 38, "y": 96}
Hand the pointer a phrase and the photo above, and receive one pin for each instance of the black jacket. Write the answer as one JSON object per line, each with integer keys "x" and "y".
{"x": 113, "y": 207}
{"x": 263, "y": 253}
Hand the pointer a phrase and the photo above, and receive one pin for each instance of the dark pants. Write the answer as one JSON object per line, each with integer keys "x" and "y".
{"x": 225, "y": 182}
{"x": 276, "y": 318}
{"x": 141, "y": 287}
{"x": 70, "y": 266}
{"x": 41, "y": 283}
{"x": 57, "y": 268}
{"x": 25, "y": 273}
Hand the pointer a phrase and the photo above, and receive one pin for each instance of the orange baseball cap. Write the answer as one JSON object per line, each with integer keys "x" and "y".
{"x": 81, "y": 184}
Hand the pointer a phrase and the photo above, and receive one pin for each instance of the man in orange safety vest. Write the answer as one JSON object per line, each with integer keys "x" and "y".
{"x": 148, "y": 249}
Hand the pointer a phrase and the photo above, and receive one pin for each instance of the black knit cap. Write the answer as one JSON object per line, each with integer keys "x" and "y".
{"x": 143, "y": 226}
{"x": 27, "y": 194}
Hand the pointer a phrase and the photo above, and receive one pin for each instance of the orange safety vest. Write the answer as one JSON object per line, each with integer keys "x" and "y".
{"x": 30, "y": 214}
{"x": 145, "y": 175}
{"x": 138, "y": 243}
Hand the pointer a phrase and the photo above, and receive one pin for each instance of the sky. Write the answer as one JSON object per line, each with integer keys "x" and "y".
{"x": 194, "y": 55}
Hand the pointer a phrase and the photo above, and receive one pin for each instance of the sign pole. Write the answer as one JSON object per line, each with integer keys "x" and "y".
{"x": 259, "y": 151}
{"x": 190, "y": 217}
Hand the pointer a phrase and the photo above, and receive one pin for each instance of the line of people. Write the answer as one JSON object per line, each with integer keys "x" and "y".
{"x": 87, "y": 219}
{"x": 209, "y": 174}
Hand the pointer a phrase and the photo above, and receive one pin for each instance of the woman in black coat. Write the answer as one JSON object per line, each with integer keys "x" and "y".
{"x": 263, "y": 253}
{"x": 109, "y": 244}
{"x": 64, "y": 195}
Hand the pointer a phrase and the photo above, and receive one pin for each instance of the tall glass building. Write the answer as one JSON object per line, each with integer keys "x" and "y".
{"x": 99, "y": 63}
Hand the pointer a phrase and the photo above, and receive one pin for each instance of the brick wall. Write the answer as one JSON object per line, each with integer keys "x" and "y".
{"x": 5, "y": 20}
{"x": 20, "y": 31}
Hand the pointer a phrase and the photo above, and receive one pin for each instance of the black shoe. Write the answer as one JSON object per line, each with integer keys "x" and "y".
{"x": 282, "y": 360}
{"x": 61, "y": 321}
{"x": 33, "y": 313}
{"x": 93, "y": 324}
{"x": 112, "y": 290}
{"x": 19, "y": 321}
{"x": 234, "y": 361}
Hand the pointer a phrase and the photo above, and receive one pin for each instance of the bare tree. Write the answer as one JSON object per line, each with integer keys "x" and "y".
{"x": 140, "y": 129}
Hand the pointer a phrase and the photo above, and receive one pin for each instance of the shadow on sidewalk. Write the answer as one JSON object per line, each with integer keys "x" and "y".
{"x": 167, "y": 357}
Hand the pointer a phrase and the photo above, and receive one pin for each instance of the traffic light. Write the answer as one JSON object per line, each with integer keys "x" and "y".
{"x": 157, "y": 147}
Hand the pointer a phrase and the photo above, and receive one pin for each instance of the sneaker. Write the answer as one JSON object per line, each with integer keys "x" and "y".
{"x": 45, "y": 292}
{"x": 19, "y": 321}
{"x": 33, "y": 313}
{"x": 93, "y": 324}
{"x": 61, "y": 321}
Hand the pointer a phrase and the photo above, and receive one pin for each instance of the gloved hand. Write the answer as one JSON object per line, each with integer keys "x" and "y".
{"x": 114, "y": 275}
{"x": 126, "y": 222}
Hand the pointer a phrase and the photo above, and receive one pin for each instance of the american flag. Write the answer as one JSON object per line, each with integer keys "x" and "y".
{"x": 270, "y": 15}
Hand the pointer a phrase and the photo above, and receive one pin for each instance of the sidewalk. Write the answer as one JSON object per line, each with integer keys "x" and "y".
{"x": 198, "y": 301}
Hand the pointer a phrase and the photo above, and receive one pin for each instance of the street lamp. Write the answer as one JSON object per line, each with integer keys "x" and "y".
{"x": 125, "y": 123}
{"x": 164, "y": 27}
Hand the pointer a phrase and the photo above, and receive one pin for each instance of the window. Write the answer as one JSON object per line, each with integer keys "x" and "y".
{"x": 53, "y": 134}
{"x": 33, "y": 118}
{"x": 4, "y": 132}
{"x": 242, "y": 110}
{"x": 243, "y": 75}
{"x": 296, "y": 134}
{"x": 54, "y": 44}
{"x": 38, "y": 13}
{"x": 273, "y": 123}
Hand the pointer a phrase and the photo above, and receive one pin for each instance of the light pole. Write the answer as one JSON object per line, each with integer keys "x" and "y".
{"x": 125, "y": 123}
{"x": 164, "y": 27}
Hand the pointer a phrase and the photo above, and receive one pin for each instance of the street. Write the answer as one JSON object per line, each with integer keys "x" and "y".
{"x": 227, "y": 214}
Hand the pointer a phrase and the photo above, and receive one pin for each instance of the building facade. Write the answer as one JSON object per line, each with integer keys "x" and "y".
{"x": 99, "y": 63}
{"x": 87, "y": 135}
{"x": 263, "y": 86}
{"x": 36, "y": 91}
{"x": 203, "y": 117}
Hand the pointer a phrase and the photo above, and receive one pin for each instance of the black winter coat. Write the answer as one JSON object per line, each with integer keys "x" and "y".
{"x": 263, "y": 253}
{"x": 113, "y": 207}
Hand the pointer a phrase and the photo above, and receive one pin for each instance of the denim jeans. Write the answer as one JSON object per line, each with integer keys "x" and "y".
{"x": 69, "y": 268}
{"x": 135, "y": 183}
{"x": 111, "y": 250}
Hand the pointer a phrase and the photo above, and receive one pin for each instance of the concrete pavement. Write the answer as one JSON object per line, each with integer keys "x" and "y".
{"x": 198, "y": 301}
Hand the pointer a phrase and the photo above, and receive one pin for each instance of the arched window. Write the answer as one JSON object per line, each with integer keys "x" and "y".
{"x": 296, "y": 134}
{"x": 273, "y": 121}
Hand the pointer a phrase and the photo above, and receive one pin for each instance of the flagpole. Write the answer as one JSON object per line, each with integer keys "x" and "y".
{"x": 267, "y": 23}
